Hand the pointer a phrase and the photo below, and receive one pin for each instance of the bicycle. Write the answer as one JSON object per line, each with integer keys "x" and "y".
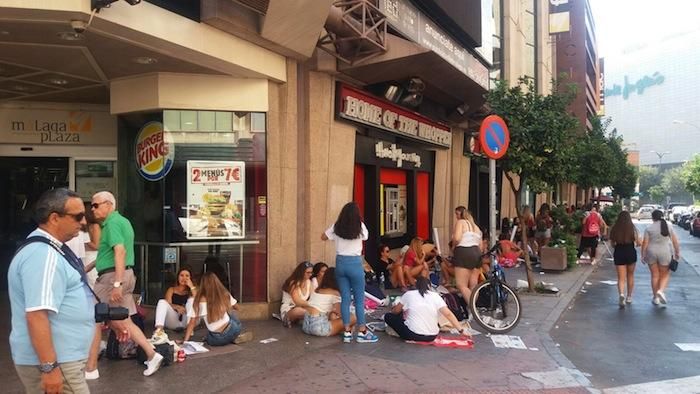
{"x": 495, "y": 305}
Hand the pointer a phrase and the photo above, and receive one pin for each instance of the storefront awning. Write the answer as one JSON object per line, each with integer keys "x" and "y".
{"x": 445, "y": 84}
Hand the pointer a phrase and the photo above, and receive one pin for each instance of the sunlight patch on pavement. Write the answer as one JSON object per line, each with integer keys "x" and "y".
{"x": 675, "y": 386}
{"x": 559, "y": 378}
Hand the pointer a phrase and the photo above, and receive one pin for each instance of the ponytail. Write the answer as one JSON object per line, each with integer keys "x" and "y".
{"x": 423, "y": 285}
{"x": 664, "y": 228}
{"x": 657, "y": 215}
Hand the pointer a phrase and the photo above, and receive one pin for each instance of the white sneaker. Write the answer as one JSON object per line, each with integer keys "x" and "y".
{"x": 622, "y": 300}
{"x": 153, "y": 364}
{"x": 655, "y": 300}
{"x": 661, "y": 296}
{"x": 92, "y": 375}
{"x": 159, "y": 336}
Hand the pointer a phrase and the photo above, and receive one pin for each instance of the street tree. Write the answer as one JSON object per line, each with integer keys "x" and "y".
{"x": 691, "y": 175}
{"x": 541, "y": 139}
{"x": 673, "y": 181}
{"x": 648, "y": 177}
{"x": 657, "y": 193}
{"x": 623, "y": 175}
{"x": 626, "y": 182}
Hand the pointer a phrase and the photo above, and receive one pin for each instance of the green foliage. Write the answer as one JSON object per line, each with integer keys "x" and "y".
{"x": 657, "y": 193}
{"x": 577, "y": 221}
{"x": 561, "y": 218}
{"x": 564, "y": 239}
{"x": 625, "y": 184}
{"x": 691, "y": 175}
{"x": 611, "y": 213}
{"x": 673, "y": 181}
{"x": 594, "y": 157}
{"x": 541, "y": 133}
{"x": 648, "y": 177}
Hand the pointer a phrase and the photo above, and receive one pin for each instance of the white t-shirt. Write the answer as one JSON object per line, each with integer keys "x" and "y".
{"x": 215, "y": 326}
{"x": 323, "y": 302}
{"x": 77, "y": 244}
{"x": 348, "y": 247}
{"x": 422, "y": 312}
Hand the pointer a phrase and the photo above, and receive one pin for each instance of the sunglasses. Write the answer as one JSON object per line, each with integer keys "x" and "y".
{"x": 96, "y": 205}
{"x": 78, "y": 217}
{"x": 308, "y": 264}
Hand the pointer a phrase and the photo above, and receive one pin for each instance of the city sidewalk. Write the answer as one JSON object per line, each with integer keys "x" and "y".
{"x": 297, "y": 363}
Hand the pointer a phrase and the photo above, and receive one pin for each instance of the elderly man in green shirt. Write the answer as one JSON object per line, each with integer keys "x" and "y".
{"x": 116, "y": 280}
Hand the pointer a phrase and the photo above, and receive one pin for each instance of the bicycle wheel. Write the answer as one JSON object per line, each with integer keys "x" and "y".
{"x": 496, "y": 311}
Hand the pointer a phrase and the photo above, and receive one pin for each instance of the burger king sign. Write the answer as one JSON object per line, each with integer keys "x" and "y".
{"x": 155, "y": 151}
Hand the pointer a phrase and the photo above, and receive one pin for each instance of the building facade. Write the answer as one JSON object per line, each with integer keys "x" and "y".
{"x": 232, "y": 133}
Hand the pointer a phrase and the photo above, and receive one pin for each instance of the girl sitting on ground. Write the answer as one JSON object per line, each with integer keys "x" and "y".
{"x": 322, "y": 317}
{"x": 317, "y": 274}
{"x": 415, "y": 318}
{"x": 414, "y": 265}
{"x": 393, "y": 271}
{"x": 296, "y": 291}
{"x": 215, "y": 305}
{"x": 170, "y": 311}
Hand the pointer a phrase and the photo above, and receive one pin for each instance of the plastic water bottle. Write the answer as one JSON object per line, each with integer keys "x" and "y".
{"x": 381, "y": 281}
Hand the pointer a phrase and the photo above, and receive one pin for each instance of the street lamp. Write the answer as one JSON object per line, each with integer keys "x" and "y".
{"x": 660, "y": 155}
{"x": 688, "y": 123}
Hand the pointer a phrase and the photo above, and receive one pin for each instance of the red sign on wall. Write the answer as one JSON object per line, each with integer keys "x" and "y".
{"x": 356, "y": 105}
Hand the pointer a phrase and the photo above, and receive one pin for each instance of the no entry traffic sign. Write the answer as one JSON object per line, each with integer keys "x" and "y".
{"x": 494, "y": 137}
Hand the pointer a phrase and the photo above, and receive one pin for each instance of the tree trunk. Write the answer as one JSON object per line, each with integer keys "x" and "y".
{"x": 528, "y": 264}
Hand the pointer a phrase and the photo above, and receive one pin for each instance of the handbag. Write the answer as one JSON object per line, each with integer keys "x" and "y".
{"x": 674, "y": 265}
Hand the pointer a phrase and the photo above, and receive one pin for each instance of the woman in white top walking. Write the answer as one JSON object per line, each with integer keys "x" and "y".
{"x": 322, "y": 316}
{"x": 467, "y": 252}
{"x": 348, "y": 232}
{"x": 656, "y": 252}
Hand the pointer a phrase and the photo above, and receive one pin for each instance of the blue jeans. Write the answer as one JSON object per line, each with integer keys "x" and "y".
{"x": 351, "y": 277}
{"x": 227, "y": 336}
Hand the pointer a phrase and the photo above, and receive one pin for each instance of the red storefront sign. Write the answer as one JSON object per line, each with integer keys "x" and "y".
{"x": 358, "y": 106}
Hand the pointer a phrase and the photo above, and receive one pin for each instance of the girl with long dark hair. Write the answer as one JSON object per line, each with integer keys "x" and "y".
{"x": 348, "y": 232}
{"x": 624, "y": 237}
{"x": 170, "y": 310}
{"x": 215, "y": 305}
{"x": 656, "y": 252}
{"x": 317, "y": 273}
{"x": 415, "y": 317}
{"x": 296, "y": 291}
{"x": 322, "y": 316}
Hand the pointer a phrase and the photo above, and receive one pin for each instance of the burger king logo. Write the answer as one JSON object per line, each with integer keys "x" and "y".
{"x": 155, "y": 151}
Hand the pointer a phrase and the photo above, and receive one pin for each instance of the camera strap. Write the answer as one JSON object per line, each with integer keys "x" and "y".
{"x": 64, "y": 251}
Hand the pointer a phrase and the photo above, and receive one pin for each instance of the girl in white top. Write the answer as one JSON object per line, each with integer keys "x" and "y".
{"x": 215, "y": 305}
{"x": 318, "y": 271}
{"x": 296, "y": 291}
{"x": 467, "y": 252}
{"x": 421, "y": 310}
{"x": 322, "y": 316}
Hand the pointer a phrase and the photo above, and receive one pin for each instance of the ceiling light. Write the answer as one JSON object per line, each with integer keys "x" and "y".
{"x": 4, "y": 33}
{"x": 57, "y": 81}
{"x": 22, "y": 88}
{"x": 145, "y": 60}
{"x": 70, "y": 36}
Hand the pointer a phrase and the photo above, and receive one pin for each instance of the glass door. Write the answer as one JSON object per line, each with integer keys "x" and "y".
{"x": 24, "y": 179}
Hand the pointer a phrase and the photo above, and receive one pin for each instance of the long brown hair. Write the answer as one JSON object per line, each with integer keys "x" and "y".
{"x": 623, "y": 231}
{"x": 463, "y": 213}
{"x": 297, "y": 277}
{"x": 218, "y": 299}
{"x": 417, "y": 247}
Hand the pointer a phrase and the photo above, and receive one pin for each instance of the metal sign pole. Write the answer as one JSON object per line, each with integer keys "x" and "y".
{"x": 492, "y": 202}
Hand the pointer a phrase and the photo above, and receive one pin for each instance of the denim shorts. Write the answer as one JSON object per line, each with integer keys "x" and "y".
{"x": 318, "y": 326}
{"x": 227, "y": 336}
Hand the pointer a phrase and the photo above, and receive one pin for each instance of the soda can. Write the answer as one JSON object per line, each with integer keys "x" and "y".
{"x": 180, "y": 355}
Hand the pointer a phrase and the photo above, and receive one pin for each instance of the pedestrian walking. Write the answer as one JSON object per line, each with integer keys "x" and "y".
{"x": 624, "y": 237}
{"x": 348, "y": 232}
{"x": 592, "y": 223}
{"x": 115, "y": 275}
{"x": 466, "y": 236}
{"x": 53, "y": 313}
{"x": 656, "y": 253}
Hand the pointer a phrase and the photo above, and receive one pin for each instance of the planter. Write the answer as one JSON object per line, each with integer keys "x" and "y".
{"x": 553, "y": 258}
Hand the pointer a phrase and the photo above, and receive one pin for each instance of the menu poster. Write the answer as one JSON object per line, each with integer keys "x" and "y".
{"x": 215, "y": 200}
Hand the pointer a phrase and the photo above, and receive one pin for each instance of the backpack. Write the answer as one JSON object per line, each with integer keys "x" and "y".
{"x": 456, "y": 305}
{"x": 120, "y": 351}
{"x": 592, "y": 226}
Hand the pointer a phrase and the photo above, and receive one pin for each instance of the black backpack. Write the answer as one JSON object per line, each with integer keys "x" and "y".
{"x": 457, "y": 305}
{"x": 125, "y": 350}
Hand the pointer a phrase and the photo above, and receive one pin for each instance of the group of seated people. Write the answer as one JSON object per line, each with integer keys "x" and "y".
{"x": 185, "y": 305}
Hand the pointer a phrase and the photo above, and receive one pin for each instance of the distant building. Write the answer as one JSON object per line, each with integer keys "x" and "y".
{"x": 652, "y": 93}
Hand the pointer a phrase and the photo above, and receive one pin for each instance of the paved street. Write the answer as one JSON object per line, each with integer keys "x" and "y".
{"x": 636, "y": 344}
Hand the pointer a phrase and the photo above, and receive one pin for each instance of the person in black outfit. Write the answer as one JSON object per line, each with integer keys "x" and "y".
{"x": 624, "y": 237}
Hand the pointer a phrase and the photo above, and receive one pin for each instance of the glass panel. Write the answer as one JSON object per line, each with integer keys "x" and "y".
{"x": 529, "y": 28}
{"x": 257, "y": 122}
{"x": 207, "y": 121}
{"x": 171, "y": 120}
{"x": 529, "y": 66}
{"x": 528, "y": 5}
{"x": 223, "y": 121}
{"x": 94, "y": 176}
{"x": 188, "y": 120}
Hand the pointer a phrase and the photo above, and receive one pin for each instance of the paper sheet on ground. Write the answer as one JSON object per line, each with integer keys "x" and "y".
{"x": 689, "y": 347}
{"x": 609, "y": 282}
{"x": 269, "y": 340}
{"x": 508, "y": 341}
{"x": 191, "y": 347}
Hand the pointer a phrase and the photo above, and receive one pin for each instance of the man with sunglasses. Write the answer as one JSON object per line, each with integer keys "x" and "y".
{"x": 52, "y": 307}
{"x": 115, "y": 275}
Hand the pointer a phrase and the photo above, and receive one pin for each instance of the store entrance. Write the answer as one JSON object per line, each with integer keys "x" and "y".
{"x": 23, "y": 180}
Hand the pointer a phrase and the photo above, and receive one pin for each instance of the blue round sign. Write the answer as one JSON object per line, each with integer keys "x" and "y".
{"x": 494, "y": 137}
